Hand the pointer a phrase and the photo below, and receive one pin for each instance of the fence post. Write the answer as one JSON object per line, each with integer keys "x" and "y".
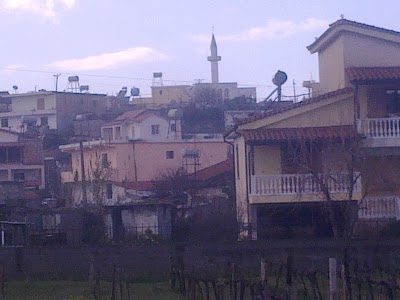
{"x": 332, "y": 279}
{"x": 344, "y": 286}
{"x": 263, "y": 271}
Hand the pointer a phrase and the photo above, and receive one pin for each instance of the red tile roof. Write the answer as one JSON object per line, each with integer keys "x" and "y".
{"x": 361, "y": 74}
{"x": 340, "y": 22}
{"x": 327, "y": 96}
{"x": 306, "y": 133}
{"x": 214, "y": 170}
{"x": 136, "y": 116}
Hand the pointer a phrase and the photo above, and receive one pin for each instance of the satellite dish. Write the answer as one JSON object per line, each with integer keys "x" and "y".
{"x": 279, "y": 78}
{"x": 135, "y": 91}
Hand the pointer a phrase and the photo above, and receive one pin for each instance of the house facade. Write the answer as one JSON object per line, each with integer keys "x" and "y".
{"x": 21, "y": 160}
{"x": 139, "y": 147}
{"x": 52, "y": 110}
{"x": 338, "y": 150}
{"x": 145, "y": 125}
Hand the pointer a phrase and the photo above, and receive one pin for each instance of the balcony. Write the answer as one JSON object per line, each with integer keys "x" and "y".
{"x": 303, "y": 187}
{"x": 380, "y": 208}
{"x": 380, "y": 132}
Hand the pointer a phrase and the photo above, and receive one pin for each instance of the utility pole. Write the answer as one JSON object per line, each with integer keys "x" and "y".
{"x": 56, "y": 78}
{"x": 294, "y": 91}
{"x": 84, "y": 194}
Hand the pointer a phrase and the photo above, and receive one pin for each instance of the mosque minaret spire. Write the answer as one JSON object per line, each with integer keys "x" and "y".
{"x": 214, "y": 59}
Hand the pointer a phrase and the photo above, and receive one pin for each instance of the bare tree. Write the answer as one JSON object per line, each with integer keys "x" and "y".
{"x": 334, "y": 167}
{"x": 172, "y": 183}
{"x": 205, "y": 96}
{"x": 100, "y": 174}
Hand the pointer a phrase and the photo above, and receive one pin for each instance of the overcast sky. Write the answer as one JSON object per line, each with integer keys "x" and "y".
{"x": 115, "y": 43}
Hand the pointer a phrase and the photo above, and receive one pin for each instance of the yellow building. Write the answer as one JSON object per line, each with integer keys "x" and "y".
{"x": 331, "y": 161}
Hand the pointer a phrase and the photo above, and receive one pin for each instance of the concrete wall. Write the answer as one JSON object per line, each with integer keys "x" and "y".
{"x": 151, "y": 158}
{"x": 338, "y": 113}
{"x": 241, "y": 152}
{"x": 331, "y": 68}
{"x": 143, "y": 129}
{"x": 267, "y": 160}
{"x": 141, "y": 161}
{"x": 164, "y": 94}
{"x": 361, "y": 51}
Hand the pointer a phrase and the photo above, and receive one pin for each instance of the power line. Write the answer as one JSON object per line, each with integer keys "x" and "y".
{"x": 131, "y": 78}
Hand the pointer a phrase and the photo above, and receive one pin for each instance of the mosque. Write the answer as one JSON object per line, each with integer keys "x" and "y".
{"x": 162, "y": 95}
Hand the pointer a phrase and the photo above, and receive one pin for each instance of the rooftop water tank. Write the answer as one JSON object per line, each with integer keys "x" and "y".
{"x": 191, "y": 152}
{"x": 175, "y": 114}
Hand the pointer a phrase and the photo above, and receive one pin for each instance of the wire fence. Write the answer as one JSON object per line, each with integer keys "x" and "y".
{"x": 352, "y": 278}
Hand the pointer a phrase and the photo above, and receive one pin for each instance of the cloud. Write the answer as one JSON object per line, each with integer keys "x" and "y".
{"x": 109, "y": 60}
{"x": 46, "y": 8}
{"x": 12, "y": 68}
{"x": 273, "y": 29}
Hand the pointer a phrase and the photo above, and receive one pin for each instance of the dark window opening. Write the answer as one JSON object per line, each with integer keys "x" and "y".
{"x": 155, "y": 129}
{"x": 109, "y": 191}
{"x": 393, "y": 101}
{"x": 173, "y": 127}
{"x": 170, "y": 154}
{"x": 19, "y": 177}
{"x": 40, "y": 104}
{"x": 10, "y": 155}
{"x": 44, "y": 121}
{"x": 104, "y": 160}
{"x": 4, "y": 123}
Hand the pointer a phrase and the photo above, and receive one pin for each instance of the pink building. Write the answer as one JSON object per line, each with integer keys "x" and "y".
{"x": 140, "y": 160}
{"x": 138, "y": 147}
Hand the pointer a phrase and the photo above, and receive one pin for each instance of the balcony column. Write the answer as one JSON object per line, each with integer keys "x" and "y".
{"x": 253, "y": 221}
{"x": 9, "y": 175}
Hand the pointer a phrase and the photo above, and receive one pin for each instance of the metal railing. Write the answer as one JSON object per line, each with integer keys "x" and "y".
{"x": 297, "y": 184}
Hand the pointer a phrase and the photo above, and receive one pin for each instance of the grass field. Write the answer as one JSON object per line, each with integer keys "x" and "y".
{"x": 70, "y": 290}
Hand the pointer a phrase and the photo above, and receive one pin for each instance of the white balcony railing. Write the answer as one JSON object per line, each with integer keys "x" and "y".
{"x": 380, "y": 207}
{"x": 301, "y": 184}
{"x": 379, "y": 127}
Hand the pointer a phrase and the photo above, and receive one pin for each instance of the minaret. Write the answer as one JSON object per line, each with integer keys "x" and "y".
{"x": 214, "y": 58}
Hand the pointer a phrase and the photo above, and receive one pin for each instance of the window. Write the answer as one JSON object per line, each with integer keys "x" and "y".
{"x": 173, "y": 127}
{"x": 109, "y": 191}
{"x": 169, "y": 154}
{"x": 10, "y": 155}
{"x": 19, "y": 177}
{"x": 393, "y": 101}
{"x": 40, "y": 104}
{"x": 155, "y": 129}
{"x": 4, "y": 123}
{"x": 118, "y": 133}
{"x": 104, "y": 160}
{"x": 14, "y": 155}
{"x": 44, "y": 121}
